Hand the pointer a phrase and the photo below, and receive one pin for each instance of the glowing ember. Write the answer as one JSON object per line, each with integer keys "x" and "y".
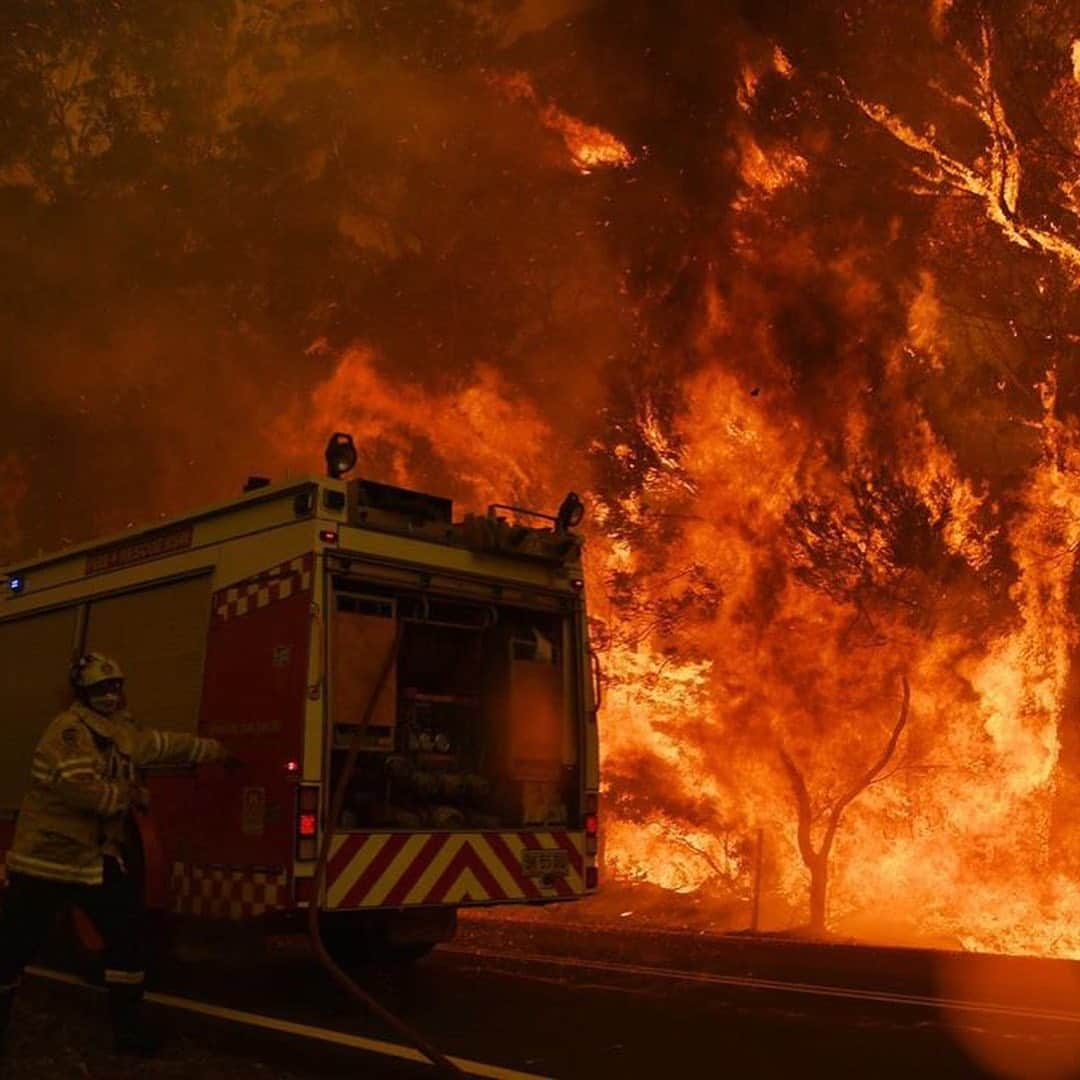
{"x": 590, "y": 147}
{"x": 769, "y": 173}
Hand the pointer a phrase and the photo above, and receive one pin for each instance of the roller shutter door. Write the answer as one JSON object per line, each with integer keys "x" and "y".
{"x": 158, "y": 636}
{"x": 35, "y": 658}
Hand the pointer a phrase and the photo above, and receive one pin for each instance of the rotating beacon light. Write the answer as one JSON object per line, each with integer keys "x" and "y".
{"x": 340, "y": 455}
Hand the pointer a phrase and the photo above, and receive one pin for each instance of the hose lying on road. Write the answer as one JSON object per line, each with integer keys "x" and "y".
{"x": 445, "y": 1066}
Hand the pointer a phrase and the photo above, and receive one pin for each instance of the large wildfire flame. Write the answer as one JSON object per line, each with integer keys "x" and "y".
{"x": 812, "y": 350}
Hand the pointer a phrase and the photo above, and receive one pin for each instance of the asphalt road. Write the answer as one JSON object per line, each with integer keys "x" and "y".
{"x": 581, "y": 1003}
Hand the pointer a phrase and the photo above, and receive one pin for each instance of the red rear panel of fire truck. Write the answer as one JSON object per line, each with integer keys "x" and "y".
{"x": 228, "y": 834}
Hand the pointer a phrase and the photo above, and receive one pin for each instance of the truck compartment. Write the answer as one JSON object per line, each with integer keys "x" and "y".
{"x": 476, "y": 727}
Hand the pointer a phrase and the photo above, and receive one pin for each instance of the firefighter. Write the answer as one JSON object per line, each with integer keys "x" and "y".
{"x": 70, "y": 835}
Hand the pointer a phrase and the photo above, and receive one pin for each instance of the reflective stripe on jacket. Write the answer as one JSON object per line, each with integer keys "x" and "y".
{"x": 73, "y": 813}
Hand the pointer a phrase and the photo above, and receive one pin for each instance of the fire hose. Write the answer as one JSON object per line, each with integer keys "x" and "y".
{"x": 445, "y": 1066}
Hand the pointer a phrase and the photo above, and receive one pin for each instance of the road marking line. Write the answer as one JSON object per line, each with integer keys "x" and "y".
{"x": 339, "y": 1038}
{"x": 752, "y": 983}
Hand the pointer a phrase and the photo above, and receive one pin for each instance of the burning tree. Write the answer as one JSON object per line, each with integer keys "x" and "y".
{"x": 817, "y": 858}
{"x": 869, "y": 446}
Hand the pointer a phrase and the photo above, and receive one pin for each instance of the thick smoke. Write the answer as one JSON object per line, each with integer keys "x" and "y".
{"x": 204, "y": 206}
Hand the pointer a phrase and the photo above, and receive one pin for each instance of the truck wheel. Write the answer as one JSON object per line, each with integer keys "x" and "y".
{"x": 407, "y": 954}
{"x": 351, "y": 949}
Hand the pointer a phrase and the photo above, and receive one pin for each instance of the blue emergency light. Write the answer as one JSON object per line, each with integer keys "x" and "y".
{"x": 15, "y": 583}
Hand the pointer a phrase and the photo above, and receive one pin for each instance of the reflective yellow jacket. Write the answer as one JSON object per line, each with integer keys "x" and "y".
{"x": 74, "y": 812}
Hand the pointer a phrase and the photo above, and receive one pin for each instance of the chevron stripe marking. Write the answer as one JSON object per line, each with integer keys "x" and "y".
{"x": 375, "y": 894}
{"x": 374, "y": 870}
{"x": 351, "y": 865}
{"x": 417, "y": 868}
{"x": 466, "y": 887}
{"x": 566, "y": 842}
{"x": 362, "y": 855}
{"x": 508, "y": 880}
{"x": 534, "y": 843}
{"x": 512, "y": 862}
{"x": 466, "y": 859}
{"x": 487, "y": 880}
{"x": 342, "y": 850}
{"x": 421, "y": 890}
{"x": 451, "y": 872}
{"x": 398, "y": 869}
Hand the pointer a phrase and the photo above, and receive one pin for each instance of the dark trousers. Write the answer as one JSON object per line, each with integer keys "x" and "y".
{"x": 30, "y": 905}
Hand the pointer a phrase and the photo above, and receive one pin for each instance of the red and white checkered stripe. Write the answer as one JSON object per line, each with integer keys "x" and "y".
{"x": 218, "y": 892}
{"x": 254, "y": 593}
{"x": 222, "y": 892}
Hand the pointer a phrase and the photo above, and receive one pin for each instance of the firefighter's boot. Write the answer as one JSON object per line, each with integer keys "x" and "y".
{"x": 131, "y": 1032}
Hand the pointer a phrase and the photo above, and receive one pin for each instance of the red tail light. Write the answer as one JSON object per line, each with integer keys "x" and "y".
{"x": 592, "y": 823}
{"x": 592, "y": 814}
{"x": 307, "y": 822}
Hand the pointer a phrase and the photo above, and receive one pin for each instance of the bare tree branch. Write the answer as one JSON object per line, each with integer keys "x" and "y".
{"x": 717, "y": 870}
{"x": 994, "y": 177}
{"x": 871, "y": 774}
{"x": 817, "y": 860}
{"x": 802, "y": 801}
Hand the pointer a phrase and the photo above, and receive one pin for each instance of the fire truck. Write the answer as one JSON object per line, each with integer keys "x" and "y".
{"x": 270, "y": 623}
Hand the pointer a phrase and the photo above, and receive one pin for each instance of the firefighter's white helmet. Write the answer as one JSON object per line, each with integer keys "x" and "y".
{"x": 93, "y": 668}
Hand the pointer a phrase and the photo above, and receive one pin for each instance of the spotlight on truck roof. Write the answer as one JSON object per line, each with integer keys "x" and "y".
{"x": 340, "y": 455}
{"x": 571, "y": 512}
